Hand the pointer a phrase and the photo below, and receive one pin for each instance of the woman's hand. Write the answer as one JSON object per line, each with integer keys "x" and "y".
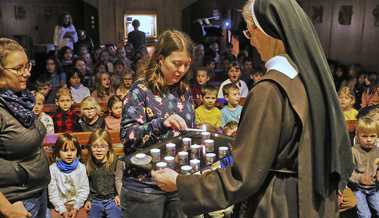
{"x": 175, "y": 122}
{"x": 165, "y": 179}
{"x": 16, "y": 210}
{"x": 117, "y": 201}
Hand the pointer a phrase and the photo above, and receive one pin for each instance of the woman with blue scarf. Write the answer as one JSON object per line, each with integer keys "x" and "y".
{"x": 24, "y": 170}
{"x": 69, "y": 188}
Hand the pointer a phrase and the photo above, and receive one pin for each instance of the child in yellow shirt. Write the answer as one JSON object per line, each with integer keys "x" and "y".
{"x": 347, "y": 100}
{"x": 207, "y": 113}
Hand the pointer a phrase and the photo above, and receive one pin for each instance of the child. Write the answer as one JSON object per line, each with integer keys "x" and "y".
{"x": 101, "y": 168}
{"x": 45, "y": 119}
{"x": 44, "y": 87}
{"x": 230, "y": 129}
{"x": 366, "y": 175}
{"x": 116, "y": 77}
{"x": 78, "y": 90}
{"x": 232, "y": 111}
{"x": 53, "y": 73}
{"x": 103, "y": 89}
{"x": 202, "y": 78}
{"x": 127, "y": 81}
{"x": 87, "y": 78}
{"x": 207, "y": 113}
{"x": 347, "y": 100}
{"x": 255, "y": 76}
{"x": 68, "y": 188}
{"x": 91, "y": 118}
{"x": 234, "y": 73}
{"x": 112, "y": 122}
{"x": 64, "y": 118}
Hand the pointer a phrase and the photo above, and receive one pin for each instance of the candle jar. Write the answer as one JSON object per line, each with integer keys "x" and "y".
{"x": 209, "y": 145}
{"x": 186, "y": 170}
{"x": 210, "y": 158}
{"x": 160, "y": 165}
{"x": 183, "y": 158}
{"x": 195, "y": 164}
{"x": 155, "y": 154}
{"x": 222, "y": 152}
{"x": 195, "y": 151}
{"x": 186, "y": 143}
{"x": 170, "y": 160}
{"x": 170, "y": 149}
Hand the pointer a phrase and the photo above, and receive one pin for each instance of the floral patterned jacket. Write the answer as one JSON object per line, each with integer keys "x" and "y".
{"x": 144, "y": 112}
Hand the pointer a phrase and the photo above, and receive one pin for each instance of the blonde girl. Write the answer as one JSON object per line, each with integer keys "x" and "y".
{"x": 101, "y": 167}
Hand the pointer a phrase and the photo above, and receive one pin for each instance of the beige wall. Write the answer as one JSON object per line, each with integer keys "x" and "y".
{"x": 41, "y": 16}
{"x": 354, "y": 43}
{"x": 111, "y": 15}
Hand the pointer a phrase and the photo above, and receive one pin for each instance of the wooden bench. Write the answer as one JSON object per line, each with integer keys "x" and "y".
{"x": 52, "y": 108}
{"x": 83, "y": 138}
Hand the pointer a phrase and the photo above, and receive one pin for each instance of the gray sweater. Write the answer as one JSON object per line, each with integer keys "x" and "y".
{"x": 24, "y": 169}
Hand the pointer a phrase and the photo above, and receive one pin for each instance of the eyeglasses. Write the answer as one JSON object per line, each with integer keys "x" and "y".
{"x": 99, "y": 147}
{"x": 247, "y": 34}
{"x": 21, "y": 69}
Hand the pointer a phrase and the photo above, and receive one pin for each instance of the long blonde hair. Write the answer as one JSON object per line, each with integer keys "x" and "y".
{"x": 168, "y": 42}
{"x": 102, "y": 136}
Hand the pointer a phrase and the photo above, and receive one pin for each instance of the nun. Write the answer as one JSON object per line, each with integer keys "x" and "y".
{"x": 292, "y": 152}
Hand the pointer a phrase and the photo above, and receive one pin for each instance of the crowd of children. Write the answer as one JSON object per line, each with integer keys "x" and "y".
{"x": 358, "y": 96}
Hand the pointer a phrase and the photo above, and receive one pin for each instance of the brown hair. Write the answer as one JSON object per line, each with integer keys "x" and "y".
{"x": 63, "y": 92}
{"x": 65, "y": 141}
{"x": 104, "y": 136}
{"x": 168, "y": 42}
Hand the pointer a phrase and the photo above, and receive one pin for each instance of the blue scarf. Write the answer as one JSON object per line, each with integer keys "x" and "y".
{"x": 67, "y": 168}
{"x": 20, "y": 105}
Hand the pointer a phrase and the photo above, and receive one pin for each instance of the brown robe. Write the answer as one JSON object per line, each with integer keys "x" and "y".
{"x": 274, "y": 133}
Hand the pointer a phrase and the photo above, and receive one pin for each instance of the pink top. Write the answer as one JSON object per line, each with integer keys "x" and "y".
{"x": 112, "y": 124}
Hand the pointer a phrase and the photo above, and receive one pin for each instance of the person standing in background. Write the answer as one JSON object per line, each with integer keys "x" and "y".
{"x": 65, "y": 33}
{"x": 137, "y": 38}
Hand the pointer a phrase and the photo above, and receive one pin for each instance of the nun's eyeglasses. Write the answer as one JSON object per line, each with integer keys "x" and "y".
{"x": 247, "y": 34}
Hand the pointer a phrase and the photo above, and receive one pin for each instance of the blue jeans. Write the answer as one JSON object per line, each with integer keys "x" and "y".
{"x": 157, "y": 204}
{"x": 106, "y": 207}
{"x": 366, "y": 198}
{"x": 37, "y": 206}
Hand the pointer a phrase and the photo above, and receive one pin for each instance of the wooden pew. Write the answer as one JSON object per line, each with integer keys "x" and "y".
{"x": 51, "y": 108}
{"x": 83, "y": 138}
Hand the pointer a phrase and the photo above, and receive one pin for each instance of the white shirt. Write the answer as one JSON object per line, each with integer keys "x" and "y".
{"x": 66, "y": 187}
{"x": 59, "y": 39}
{"x": 78, "y": 94}
{"x": 244, "y": 90}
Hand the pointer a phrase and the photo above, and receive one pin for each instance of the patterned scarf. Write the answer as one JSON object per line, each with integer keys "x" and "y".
{"x": 67, "y": 168}
{"x": 20, "y": 105}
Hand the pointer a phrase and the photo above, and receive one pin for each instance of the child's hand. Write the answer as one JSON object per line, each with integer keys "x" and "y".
{"x": 365, "y": 179}
{"x": 117, "y": 201}
{"x": 339, "y": 198}
{"x": 87, "y": 205}
{"x": 65, "y": 215}
{"x": 73, "y": 213}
